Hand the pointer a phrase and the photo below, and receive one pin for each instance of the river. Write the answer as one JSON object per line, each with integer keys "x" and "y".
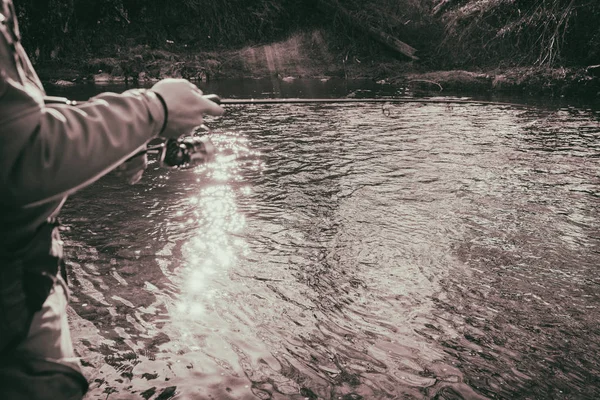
{"x": 349, "y": 251}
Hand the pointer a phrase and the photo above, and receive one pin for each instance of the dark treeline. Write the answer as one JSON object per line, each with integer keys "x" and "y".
{"x": 52, "y": 28}
{"x": 448, "y": 33}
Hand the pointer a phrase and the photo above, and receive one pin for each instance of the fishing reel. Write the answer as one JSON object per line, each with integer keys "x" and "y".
{"x": 186, "y": 152}
{"x": 189, "y": 151}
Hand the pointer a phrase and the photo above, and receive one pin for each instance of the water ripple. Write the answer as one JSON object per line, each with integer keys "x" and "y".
{"x": 439, "y": 252}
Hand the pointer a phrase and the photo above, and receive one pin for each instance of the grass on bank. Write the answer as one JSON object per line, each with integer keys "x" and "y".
{"x": 549, "y": 33}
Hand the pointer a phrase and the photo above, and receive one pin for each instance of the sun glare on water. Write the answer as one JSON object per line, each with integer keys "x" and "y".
{"x": 213, "y": 250}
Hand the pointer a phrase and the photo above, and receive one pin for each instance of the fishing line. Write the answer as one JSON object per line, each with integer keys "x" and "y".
{"x": 220, "y": 101}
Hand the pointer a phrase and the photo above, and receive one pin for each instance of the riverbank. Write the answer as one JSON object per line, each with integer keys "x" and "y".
{"x": 308, "y": 55}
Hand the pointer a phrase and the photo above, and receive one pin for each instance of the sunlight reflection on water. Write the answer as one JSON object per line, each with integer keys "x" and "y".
{"x": 213, "y": 246}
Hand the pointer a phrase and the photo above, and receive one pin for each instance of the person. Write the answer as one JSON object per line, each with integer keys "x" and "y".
{"x": 47, "y": 152}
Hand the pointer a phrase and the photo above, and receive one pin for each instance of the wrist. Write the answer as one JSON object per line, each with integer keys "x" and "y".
{"x": 165, "y": 109}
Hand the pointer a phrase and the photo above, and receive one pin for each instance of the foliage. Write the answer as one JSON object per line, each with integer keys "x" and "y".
{"x": 55, "y": 28}
{"x": 522, "y": 32}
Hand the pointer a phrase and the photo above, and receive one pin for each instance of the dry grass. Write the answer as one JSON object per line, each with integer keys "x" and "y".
{"x": 522, "y": 32}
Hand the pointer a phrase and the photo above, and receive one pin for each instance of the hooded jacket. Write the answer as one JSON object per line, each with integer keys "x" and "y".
{"x": 49, "y": 151}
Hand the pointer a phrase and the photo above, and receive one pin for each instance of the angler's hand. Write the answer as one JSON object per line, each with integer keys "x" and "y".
{"x": 132, "y": 169}
{"x": 185, "y": 106}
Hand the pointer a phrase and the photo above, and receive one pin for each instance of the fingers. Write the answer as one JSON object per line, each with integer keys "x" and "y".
{"x": 210, "y": 107}
{"x": 186, "y": 106}
{"x": 196, "y": 89}
{"x": 207, "y": 106}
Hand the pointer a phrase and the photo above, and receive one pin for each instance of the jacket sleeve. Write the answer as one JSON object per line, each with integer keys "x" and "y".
{"x": 50, "y": 151}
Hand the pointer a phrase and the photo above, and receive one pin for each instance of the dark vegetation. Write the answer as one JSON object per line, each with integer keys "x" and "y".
{"x": 522, "y": 32}
{"x": 65, "y": 28}
{"x": 449, "y": 34}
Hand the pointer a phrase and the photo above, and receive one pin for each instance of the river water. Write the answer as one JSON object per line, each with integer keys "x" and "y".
{"x": 349, "y": 251}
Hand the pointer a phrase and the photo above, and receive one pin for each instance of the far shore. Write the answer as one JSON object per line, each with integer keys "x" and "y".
{"x": 304, "y": 55}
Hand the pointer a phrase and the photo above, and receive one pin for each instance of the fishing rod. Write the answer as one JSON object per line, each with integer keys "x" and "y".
{"x": 215, "y": 98}
{"x": 220, "y": 101}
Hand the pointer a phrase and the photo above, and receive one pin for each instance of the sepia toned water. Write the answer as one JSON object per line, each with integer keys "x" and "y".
{"x": 342, "y": 251}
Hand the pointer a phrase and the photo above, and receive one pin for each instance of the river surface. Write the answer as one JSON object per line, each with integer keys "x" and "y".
{"x": 349, "y": 251}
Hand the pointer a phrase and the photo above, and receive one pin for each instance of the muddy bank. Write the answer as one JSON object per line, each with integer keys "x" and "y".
{"x": 533, "y": 81}
{"x": 308, "y": 55}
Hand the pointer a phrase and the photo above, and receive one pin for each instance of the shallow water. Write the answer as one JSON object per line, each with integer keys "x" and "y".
{"x": 342, "y": 252}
